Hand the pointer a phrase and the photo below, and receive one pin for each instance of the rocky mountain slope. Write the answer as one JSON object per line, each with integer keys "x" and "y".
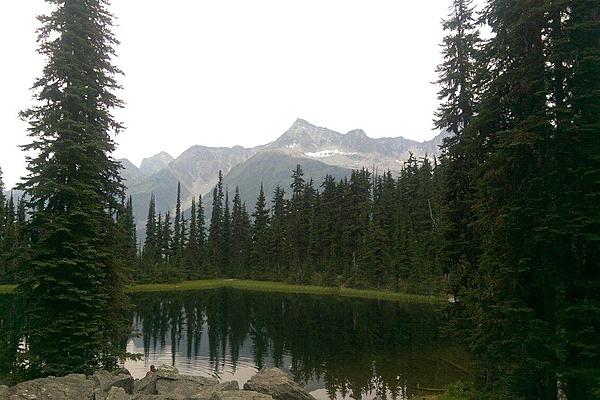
{"x": 354, "y": 149}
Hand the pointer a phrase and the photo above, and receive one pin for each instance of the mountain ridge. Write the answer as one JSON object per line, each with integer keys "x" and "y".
{"x": 321, "y": 150}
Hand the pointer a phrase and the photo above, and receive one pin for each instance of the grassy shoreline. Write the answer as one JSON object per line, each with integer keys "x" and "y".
{"x": 277, "y": 287}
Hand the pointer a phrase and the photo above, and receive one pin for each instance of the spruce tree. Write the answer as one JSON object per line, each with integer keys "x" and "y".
{"x": 151, "y": 249}
{"x": 192, "y": 249}
{"x": 277, "y": 238}
{"x": 202, "y": 246}
{"x": 240, "y": 236}
{"x": 457, "y": 76}
{"x": 514, "y": 291}
{"x": 259, "y": 235}
{"x": 574, "y": 174}
{"x": 72, "y": 288}
{"x": 215, "y": 255}
{"x": 166, "y": 239}
{"x": 176, "y": 244}
{"x": 225, "y": 239}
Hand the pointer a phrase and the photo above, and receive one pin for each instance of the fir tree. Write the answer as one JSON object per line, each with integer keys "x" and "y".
{"x": 73, "y": 289}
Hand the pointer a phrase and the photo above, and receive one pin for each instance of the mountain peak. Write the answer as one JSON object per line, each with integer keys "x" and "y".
{"x": 357, "y": 133}
{"x": 155, "y": 163}
{"x": 301, "y": 124}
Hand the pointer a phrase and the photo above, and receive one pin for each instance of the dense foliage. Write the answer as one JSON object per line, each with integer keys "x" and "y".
{"x": 522, "y": 187}
{"x": 365, "y": 231}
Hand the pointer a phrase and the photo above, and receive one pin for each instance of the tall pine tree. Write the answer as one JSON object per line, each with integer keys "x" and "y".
{"x": 72, "y": 288}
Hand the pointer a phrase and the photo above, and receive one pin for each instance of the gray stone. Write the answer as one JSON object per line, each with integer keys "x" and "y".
{"x": 117, "y": 393}
{"x": 70, "y": 387}
{"x": 277, "y": 384}
{"x": 146, "y": 385}
{"x": 229, "y": 385}
{"x": 105, "y": 380}
{"x": 185, "y": 386}
{"x": 4, "y": 392}
{"x": 239, "y": 395}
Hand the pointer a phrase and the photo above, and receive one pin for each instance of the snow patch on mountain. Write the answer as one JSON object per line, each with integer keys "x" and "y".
{"x": 329, "y": 153}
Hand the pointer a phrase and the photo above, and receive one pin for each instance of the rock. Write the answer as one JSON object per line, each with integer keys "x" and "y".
{"x": 117, "y": 393}
{"x": 239, "y": 395}
{"x": 4, "y": 392}
{"x": 277, "y": 384}
{"x": 146, "y": 385}
{"x": 165, "y": 371}
{"x": 70, "y": 387}
{"x": 169, "y": 384}
{"x": 229, "y": 385}
{"x": 105, "y": 380}
{"x": 186, "y": 386}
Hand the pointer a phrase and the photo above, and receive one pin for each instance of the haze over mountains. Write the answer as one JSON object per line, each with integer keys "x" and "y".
{"x": 320, "y": 151}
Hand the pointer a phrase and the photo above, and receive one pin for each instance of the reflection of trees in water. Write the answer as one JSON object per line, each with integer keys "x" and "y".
{"x": 352, "y": 346}
{"x": 9, "y": 338}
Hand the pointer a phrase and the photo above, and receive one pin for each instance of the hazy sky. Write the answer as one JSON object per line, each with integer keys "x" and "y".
{"x": 227, "y": 72}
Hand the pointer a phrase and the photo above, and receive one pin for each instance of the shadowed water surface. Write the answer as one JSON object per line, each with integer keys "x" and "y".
{"x": 335, "y": 347}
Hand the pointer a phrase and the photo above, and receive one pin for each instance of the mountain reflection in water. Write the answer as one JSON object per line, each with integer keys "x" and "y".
{"x": 335, "y": 347}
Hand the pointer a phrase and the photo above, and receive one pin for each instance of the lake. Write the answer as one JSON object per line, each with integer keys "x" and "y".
{"x": 336, "y": 347}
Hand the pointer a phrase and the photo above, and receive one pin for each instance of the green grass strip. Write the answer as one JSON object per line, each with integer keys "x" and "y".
{"x": 276, "y": 287}
{"x": 7, "y": 289}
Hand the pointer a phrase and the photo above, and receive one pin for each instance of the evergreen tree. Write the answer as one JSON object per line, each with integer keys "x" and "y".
{"x": 73, "y": 290}
{"x": 151, "y": 249}
{"x": 166, "y": 239}
{"x": 457, "y": 75}
{"x": 574, "y": 176}
{"x": 277, "y": 239}
{"x": 259, "y": 235}
{"x": 215, "y": 255}
{"x": 201, "y": 222}
{"x": 192, "y": 249}
{"x": 240, "y": 236}
{"x": 225, "y": 239}
{"x": 176, "y": 244}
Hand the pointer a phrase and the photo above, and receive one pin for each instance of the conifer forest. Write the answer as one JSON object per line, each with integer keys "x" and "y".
{"x": 503, "y": 225}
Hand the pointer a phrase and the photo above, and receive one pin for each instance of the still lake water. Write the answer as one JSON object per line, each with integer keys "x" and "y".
{"x": 337, "y": 348}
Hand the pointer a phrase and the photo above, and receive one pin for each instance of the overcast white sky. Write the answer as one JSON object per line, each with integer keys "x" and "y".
{"x": 239, "y": 72}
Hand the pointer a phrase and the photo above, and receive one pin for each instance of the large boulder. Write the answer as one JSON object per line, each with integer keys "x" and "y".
{"x": 169, "y": 384}
{"x": 239, "y": 395}
{"x": 186, "y": 387}
{"x": 70, "y": 387}
{"x": 277, "y": 384}
{"x": 105, "y": 380}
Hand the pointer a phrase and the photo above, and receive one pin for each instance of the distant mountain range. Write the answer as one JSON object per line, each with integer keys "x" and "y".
{"x": 320, "y": 151}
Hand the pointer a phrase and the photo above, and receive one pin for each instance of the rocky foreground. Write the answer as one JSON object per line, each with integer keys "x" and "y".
{"x": 165, "y": 384}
